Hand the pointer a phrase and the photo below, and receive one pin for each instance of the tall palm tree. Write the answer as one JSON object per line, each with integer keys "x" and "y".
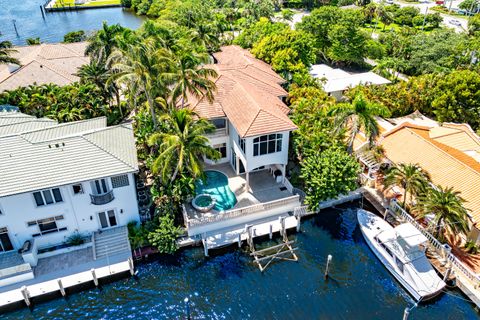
{"x": 188, "y": 77}
{"x": 143, "y": 66}
{"x": 183, "y": 145}
{"x": 358, "y": 116}
{"x": 411, "y": 177}
{"x": 104, "y": 41}
{"x": 6, "y": 53}
{"x": 448, "y": 208}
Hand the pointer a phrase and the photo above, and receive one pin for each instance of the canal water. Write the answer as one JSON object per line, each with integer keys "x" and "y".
{"x": 30, "y": 24}
{"x": 230, "y": 286}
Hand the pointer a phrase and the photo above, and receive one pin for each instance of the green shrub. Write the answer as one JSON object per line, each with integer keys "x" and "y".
{"x": 75, "y": 239}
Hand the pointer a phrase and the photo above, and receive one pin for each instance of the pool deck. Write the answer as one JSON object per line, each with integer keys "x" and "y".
{"x": 263, "y": 188}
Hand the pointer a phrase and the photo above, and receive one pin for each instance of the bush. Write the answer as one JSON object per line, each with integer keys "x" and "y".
{"x": 75, "y": 239}
{"x": 165, "y": 235}
{"x": 471, "y": 247}
{"x": 328, "y": 174}
{"x": 74, "y": 36}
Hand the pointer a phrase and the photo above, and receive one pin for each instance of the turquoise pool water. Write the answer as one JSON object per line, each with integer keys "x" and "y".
{"x": 216, "y": 185}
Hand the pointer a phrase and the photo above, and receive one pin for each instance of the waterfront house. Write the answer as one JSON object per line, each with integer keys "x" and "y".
{"x": 55, "y": 63}
{"x": 59, "y": 180}
{"x": 336, "y": 81}
{"x": 252, "y": 134}
{"x": 449, "y": 152}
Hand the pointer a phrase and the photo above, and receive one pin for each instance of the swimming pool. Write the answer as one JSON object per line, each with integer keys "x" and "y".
{"x": 216, "y": 185}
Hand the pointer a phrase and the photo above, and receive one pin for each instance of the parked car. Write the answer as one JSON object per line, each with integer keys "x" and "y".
{"x": 439, "y": 2}
{"x": 389, "y": 1}
{"x": 455, "y": 22}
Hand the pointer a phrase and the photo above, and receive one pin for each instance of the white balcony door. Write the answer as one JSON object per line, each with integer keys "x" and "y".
{"x": 100, "y": 186}
{"x": 107, "y": 219}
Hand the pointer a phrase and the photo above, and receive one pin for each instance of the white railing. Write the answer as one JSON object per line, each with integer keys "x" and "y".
{"x": 6, "y": 272}
{"x": 459, "y": 265}
{"x": 217, "y": 133}
{"x": 235, "y": 213}
{"x": 288, "y": 185}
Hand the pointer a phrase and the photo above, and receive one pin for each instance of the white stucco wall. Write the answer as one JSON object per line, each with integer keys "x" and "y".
{"x": 78, "y": 212}
{"x": 281, "y": 157}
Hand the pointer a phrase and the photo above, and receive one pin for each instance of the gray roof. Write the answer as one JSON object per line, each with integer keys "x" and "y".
{"x": 64, "y": 154}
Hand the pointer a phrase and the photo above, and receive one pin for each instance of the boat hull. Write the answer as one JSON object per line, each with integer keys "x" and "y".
{"x": 368, "y": 234}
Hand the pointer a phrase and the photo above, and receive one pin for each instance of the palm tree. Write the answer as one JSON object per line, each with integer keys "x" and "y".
{"x": 448, "y": 208}
{"x": 6, "y": 52}
{"x": 143, "y": 66}
{"x": 104, "y": 41}
{"x": 411, "y": 177}
{"x": 189, "y": 78}
{"x": 97, "y": 73}
{"x": 183, "y": 145}
{"x": 358, "y": 116}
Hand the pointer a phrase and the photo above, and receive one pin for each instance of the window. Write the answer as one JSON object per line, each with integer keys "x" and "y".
{"x": 47, "y": 225}
{"x": 267, "y": 144}
{"x": 77, "y": 188}
{"x": 219, "y": 123}
{"x": 241, "y": 143}
{"x": 222, "y": 148}
{"x": 47, "y": 197}
{"x": 100, "y": 187}
{"x": 120, "y": 181}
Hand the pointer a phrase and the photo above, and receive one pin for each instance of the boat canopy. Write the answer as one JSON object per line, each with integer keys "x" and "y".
{"x": 411, "y": 235}
{"x": 403, "y": 241}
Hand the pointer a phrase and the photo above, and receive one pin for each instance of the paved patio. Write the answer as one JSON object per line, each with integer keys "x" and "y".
{"x": 263, "y": 188}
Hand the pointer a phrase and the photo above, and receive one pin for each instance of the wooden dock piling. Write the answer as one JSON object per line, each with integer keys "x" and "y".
{"x": 94, "y": 275}
{"x": 60, "y": 286}
{"x": 26, "y": 296}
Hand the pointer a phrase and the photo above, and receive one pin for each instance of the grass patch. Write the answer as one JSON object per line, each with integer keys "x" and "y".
{"x": 91, "y": 3}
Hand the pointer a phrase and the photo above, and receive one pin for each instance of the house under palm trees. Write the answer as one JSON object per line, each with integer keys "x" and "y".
{"x": 449, "y": 152}
{"x": 252, "y": 121}
{"x": 45, "y": 63}
{"x": 249, "y": 181}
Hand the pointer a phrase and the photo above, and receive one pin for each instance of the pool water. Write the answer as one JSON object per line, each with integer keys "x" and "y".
{"x": 228, "y": 285}
{"x": 216, "y": 185}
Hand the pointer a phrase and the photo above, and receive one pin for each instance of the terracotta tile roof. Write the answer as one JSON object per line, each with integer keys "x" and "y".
{"x": 42, "y": 64}
{"x": 448, "y": 166}
{"x": 248, "y": 94}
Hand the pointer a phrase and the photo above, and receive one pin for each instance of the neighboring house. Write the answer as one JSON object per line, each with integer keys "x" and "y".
{"x": 449, "y": 152}
{"x": 61, "y": 179}
{"x": 253, "y": 126}
{"x": 337, "y": 81}
{"x": 42, "y": 64}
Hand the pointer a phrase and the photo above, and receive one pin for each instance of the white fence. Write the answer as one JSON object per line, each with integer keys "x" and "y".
{"x": 235, "y": 213}
{"x": 456, "y": 263}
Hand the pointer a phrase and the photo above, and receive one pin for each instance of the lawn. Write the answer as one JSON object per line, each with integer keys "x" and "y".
{"x": 91, "y": 3}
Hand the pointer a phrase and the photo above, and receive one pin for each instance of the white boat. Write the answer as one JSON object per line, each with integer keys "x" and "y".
{"x": 402, "y": 251}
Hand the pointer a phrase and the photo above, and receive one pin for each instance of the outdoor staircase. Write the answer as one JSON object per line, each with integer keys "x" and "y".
{"x": 111, "y": 242}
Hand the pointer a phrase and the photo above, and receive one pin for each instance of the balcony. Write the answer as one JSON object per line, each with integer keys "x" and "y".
{"x": 99, "y": 199}
{"x": 221, "y": 132}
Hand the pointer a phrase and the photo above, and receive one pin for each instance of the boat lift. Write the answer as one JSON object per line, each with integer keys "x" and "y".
{"x": 283, "y": 251}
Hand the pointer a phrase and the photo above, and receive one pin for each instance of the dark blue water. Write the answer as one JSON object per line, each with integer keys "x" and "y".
{"x": 30, "y": 23}
{"x": 230, "y": 286}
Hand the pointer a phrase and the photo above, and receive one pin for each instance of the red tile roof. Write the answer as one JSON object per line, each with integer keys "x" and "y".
{"x": 248, "y": 94}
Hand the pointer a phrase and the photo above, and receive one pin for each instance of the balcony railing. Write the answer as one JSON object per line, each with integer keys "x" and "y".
{"x": 289, "y": 204}
{"x": 217, "y": 133}
{"x": 99, "y": 199}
